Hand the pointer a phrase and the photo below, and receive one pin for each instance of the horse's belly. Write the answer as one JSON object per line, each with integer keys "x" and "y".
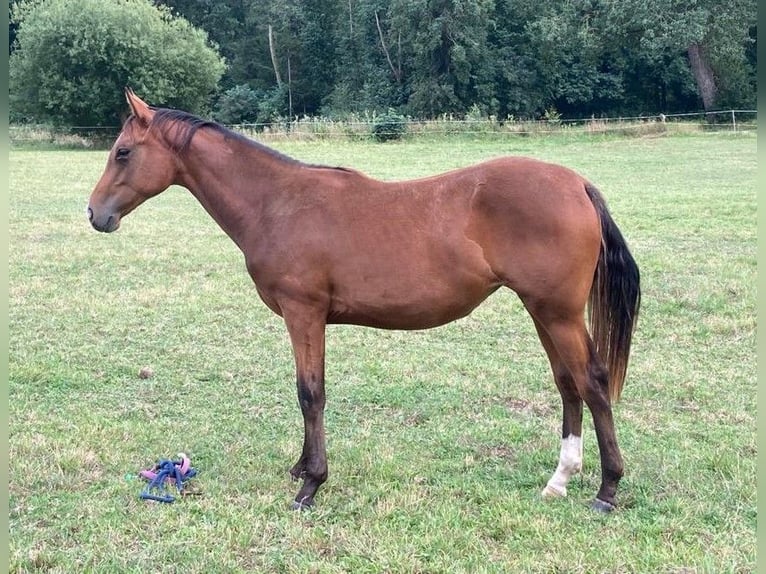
{"x": 408, "y": 304}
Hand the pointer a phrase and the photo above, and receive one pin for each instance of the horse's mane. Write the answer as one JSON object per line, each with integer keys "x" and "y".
{"x": 179, "y": 128}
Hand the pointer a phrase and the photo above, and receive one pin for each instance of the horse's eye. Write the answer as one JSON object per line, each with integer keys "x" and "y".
{"x": 122, "y": 153}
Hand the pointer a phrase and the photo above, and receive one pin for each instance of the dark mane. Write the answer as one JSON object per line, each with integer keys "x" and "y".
{"x": 179, "y": 128}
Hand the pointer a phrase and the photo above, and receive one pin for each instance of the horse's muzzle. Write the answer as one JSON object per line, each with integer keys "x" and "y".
{"x": 111, "y": 223}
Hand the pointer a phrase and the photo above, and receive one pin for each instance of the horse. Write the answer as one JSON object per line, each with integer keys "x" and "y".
{"x": 330, "y": 245}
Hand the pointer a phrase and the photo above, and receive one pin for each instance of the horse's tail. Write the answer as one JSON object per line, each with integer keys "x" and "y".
{"x": 615, "y": 297}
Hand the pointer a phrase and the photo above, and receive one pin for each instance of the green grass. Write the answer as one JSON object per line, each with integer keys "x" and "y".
{"x": 439, "y": 441}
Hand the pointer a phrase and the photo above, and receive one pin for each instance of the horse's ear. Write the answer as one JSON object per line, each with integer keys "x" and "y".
{"x": 139, "y": 107}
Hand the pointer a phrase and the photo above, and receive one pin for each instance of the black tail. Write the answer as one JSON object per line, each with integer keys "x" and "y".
{"x": 615, "y": 297}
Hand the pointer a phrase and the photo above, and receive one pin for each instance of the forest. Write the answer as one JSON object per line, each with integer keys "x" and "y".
{"x": 426, "y": 58}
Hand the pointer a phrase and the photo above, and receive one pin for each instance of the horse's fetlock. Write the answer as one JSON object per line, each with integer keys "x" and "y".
{"x": 317, "y": 472}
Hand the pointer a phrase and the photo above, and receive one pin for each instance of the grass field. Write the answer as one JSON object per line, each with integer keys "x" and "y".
{"x": 439, "y": 441}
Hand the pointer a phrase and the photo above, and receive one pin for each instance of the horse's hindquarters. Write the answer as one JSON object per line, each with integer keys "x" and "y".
{"x": 538, "y": 231}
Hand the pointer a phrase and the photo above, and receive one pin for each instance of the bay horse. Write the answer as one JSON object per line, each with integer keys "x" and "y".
{"x": 327, "y": 245}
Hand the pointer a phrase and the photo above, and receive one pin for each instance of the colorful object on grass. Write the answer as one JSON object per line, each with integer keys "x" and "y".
{"x": 167, "y": 473}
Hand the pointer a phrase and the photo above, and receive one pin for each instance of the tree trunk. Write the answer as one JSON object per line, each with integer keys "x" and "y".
{"x": 273, "y": 51}
{"x": 397, "y": 72}
{"x": 703, "y": 74}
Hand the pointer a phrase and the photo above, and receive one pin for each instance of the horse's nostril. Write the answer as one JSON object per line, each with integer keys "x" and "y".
{"x": 90, "y": 214}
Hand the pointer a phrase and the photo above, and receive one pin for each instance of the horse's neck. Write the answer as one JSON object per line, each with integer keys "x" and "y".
{"x": 233, "y": 182}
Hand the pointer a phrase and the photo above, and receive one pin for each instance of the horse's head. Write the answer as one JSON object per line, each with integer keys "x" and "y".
{"x": 140, "y": 166}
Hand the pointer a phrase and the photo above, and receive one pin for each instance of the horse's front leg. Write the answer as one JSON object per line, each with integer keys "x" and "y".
{"x": 307, "y": 334}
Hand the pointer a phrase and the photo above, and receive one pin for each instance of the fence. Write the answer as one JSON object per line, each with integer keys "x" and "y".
{"x": 310, "y": 128}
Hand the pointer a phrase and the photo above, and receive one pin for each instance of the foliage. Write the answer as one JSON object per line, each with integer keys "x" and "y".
{"x": 425, "y": 58}
{"x": 508, "y": 57}
{"x": 242, "y": 104}
{"x": 74, "y": 57}
{"x": 552, "y": 116}
{"x": 238, "y": 105}
{"x": 658, "y": 47}
{"x": 389, "y": 126}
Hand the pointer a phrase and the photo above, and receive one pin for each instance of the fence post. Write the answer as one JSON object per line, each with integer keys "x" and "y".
{"x": 733, "y": 121}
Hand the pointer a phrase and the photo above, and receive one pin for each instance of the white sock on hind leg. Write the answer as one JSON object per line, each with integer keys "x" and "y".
{"x": 570, "y": 463}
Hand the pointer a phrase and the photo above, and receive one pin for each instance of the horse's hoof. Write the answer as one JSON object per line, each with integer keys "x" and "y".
{"x": 304, "y": 504}
{"x": 550, "y": 492}
{"x": 602, "y": 506}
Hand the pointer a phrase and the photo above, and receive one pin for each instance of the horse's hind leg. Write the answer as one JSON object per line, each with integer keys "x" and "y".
{"x": 567, "y": 334}
{"x": 570, "y": 457}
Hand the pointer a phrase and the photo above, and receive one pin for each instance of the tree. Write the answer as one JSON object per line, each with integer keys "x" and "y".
{"x": 368, "y": 61}
{"x": 230, "y": 26}
{"x": 712, "y": 37}
{"x": 504, "y": 57}
{"x": 11, "y": 28}
{"x": 74, "y": 57}
{"x": 446, "y": 61}
{"x": 238, "y": 105}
